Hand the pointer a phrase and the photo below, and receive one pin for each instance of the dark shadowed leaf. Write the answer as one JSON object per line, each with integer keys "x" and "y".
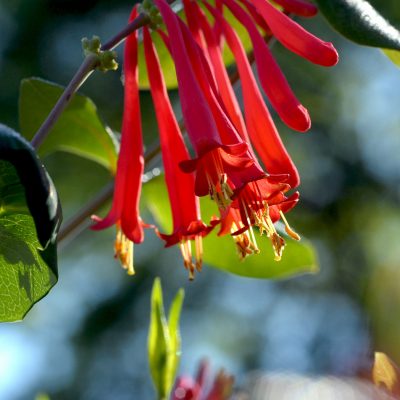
{"x": 30, "y": 216}
{"x": 79, "y": 130}
{"x": 360, "y": 22}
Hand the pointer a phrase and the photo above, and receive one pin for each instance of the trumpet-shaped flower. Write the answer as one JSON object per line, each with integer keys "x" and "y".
{"x": 184, "y": 204}
{"x": 125, "y": 208}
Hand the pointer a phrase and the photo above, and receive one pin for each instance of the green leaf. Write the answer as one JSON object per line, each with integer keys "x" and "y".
{"x": 360, "y": 22}
{"x": 30, "y": 216}
{"x": 175, "y": 337}
{"x": 79, "y": 130}
{"x": 158, "y": 341}
{"x": 298, "y": 257}
{"x": 164, "y": 343}
{"x": 393, "y": 55}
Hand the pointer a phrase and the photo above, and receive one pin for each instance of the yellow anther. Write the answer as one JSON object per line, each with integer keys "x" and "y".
{"x": 199, "y": 252}
{"x": 123, "y": 250}
{"x": 294, "y": 235}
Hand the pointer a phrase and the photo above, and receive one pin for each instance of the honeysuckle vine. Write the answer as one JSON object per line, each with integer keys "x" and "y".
{"x": 225, "y": 164}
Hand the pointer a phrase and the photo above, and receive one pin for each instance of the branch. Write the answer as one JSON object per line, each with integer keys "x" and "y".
{"x": 84, "y": 71}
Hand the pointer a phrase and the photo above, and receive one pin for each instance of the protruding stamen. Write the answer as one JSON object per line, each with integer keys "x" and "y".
{"x": 294, "y": 235}
{"x": 186, "y": 250}
{"x": 199, "y": 252}
{"x": 123, "y": 250}
{"x": 253, "y": 238}
{"x": 244, "y": 245}
{"x": 278, "y": 245}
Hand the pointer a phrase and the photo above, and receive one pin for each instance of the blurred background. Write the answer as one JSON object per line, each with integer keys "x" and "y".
{"x": 87, "y": 338}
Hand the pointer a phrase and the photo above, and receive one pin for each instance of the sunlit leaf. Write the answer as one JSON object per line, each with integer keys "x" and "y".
{"x": 158, "y": 340}
{"x": 164, "y": 342}
{"x": 393, "y": 55}
{"x": 298, "y": 257}
{"x": 386, "y": 373}
{"x": 360, "y": 22}
{"x": 175, "y": 336}
{"x": 30, "y": 216}
{"x": 79, "y": 130}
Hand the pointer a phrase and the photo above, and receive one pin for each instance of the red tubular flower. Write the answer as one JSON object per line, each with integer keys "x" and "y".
{"x": 260, "y": 125}
{"x": 184, "y": 204}
{"x": 302, "y": 8}
{"x": 222, "y": 165}
{"x": 125, "y": 208}
{"x": 296, "y": 38}
{"x": 271, "y": 77}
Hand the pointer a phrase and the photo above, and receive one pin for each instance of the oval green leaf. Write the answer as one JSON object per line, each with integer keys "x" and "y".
{"x": 30, "y": 215}
{"x": 79, "y": 130}
{"x": 358, "y": 21}
{"x": 298, "y": 257}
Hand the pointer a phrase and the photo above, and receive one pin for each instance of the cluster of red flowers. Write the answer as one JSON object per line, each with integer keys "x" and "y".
{"x": 249, "y": 191}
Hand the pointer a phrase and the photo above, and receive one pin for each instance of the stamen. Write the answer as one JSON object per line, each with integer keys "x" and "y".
{"x": 220, "y": 192}
{"x": 253, "y": 238}
{"x": 244, "y": 245}
{"x": 199, "y": 252}
{"x": 294, "y": 235}
{"x": 186, "y": 250}
{"x": 123, "y": 250}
